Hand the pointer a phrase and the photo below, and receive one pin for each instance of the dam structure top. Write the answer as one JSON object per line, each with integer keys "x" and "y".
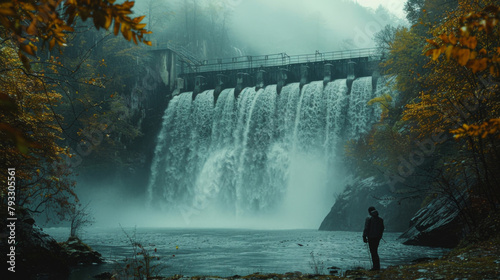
{"x": 280, "y": 69}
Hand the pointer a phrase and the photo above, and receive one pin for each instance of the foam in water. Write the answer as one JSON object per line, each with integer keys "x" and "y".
{"x": 262, "y": 158}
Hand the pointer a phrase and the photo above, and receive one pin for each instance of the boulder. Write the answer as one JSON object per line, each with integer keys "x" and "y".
{"x": 436, "y": 225}
{"x": 80, "y": 253}
{"x": 351, "y": 207}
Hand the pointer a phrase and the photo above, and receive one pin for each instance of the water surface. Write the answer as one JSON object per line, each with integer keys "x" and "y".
{"x": 227, "y": 252}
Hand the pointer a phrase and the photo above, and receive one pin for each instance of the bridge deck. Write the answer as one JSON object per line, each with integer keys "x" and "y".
{"x": 281, "y": 59}
{"x": 250, "y": 62}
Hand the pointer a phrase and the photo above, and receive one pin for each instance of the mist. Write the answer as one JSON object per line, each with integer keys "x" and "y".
{"x": 225, "y": 28}
{"x": 301, "y": 27}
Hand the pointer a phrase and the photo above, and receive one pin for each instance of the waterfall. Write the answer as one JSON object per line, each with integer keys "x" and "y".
{"x": 266, "y": 156}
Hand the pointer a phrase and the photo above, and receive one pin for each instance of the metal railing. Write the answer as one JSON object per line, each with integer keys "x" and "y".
{"x": 249, "y": 62}
{"x": 280, "y": 59}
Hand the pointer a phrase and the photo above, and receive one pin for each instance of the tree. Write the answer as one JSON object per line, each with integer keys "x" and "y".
{"x": 31, "y": 129}
{"x": 461, "y": 98}
{"x": 26, "y": 21}
{"x": 79, "y": 217}
{"x": 30, "y": 135}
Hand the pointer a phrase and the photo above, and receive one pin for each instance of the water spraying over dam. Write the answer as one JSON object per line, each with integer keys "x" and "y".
{"x": 270, "y": 157}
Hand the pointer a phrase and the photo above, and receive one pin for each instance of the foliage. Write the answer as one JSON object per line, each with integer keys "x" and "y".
{"x": 475, "y": 47}
{"x": 26, "y": 21}
{"x": 385, "y": 103}
{"x": 462, "y": 98}
{"x": 45, "y": 102}
{"x": 30, "y": 137}
{"x": 443, "y": 130}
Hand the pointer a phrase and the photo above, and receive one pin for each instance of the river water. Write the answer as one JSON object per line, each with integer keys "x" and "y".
{"x": 227, "y": 252}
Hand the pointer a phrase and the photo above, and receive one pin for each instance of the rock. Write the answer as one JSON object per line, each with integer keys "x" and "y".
{"x": 104, "y": 276}
{"x": 436, "y": 225}
{"x": 80, "y": 253}
{"x": 38, "y": 256}
{"x": 333, "y": 270}
{"x": 350, "y": 208}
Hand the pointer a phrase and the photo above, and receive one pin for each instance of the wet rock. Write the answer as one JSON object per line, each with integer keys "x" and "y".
{"x": 80, "y": 253}
{"x": 333, "y": 270}
{"x": 350, "y": 208}
{"x": 436, "y": 225}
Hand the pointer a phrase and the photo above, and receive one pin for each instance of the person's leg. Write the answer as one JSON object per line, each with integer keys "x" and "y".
{"x": 373, "y": 243}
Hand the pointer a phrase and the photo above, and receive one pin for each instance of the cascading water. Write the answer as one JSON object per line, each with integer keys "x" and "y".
{"x": 263, "y": 155}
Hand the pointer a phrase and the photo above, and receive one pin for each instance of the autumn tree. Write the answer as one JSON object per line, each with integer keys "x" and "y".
{"x": 460, "y": 99}
{"x": 32, "y": 131}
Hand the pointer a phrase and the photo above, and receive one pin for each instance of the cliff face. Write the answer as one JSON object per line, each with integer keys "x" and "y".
{"x": 350, "y": 208}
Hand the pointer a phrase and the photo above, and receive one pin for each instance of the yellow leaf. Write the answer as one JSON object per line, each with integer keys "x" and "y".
{"x": 435, "y": 54}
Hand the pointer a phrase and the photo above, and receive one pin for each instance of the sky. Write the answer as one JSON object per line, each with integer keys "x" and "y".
{"x": 298, "y": 27}
{"x": 394, "y": 6}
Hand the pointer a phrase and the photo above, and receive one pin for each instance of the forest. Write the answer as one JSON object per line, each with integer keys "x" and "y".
{"x": 80, "y": 103}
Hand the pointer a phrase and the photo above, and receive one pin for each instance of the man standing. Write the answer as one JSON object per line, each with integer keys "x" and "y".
{"x": 374, "y": 228}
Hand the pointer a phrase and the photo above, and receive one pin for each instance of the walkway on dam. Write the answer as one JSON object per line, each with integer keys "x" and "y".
{"x": 195, "y": 65}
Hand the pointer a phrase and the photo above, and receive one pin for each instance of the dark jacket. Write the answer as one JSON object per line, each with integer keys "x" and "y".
{"x": 374, "y": 226}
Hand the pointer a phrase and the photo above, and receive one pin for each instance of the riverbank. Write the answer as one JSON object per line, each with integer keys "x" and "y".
{"x": 480, "y": 260}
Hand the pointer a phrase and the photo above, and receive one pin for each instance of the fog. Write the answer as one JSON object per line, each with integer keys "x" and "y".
{"x": 259, "y": 27}
{"x": 211, "y": 29}
{"x": 298, "y": 27}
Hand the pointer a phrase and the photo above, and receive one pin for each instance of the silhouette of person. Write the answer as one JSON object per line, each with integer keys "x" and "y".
{"x": 374, "y": 229}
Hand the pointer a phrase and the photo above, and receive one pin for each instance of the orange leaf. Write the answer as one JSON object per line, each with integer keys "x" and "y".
{"x": 52, "y": 43}
{"x": 27, "y": 48}
{"x": 448, "y": 51}
{"x": 453, "y": 39}
{"x": 31, "y": 30}
{"x": 463, "y": 56}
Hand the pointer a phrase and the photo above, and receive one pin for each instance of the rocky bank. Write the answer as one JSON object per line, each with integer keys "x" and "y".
{"x": 37, "y": 255}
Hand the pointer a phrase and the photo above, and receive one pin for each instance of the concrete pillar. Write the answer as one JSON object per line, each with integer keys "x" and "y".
{"x": 199, "y": 85}
{"x": 259, "y": 78}
{"x": 242, "y": 81}
{"x": 220, "y": 85}
{"x": 281, "y": 77}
